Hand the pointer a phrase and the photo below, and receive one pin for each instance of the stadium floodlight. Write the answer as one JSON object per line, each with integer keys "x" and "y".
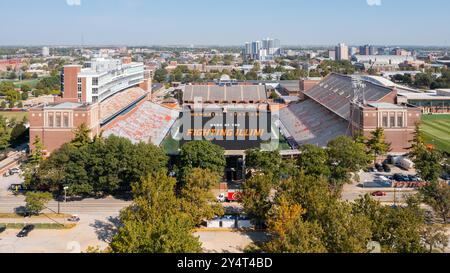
{"x": 359, "y": 87}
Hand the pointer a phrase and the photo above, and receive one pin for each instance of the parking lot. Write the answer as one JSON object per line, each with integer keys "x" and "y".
{"x": 372, "y": 182}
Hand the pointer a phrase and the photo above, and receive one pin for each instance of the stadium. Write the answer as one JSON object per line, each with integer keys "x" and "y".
{"x": 234, "y": 115}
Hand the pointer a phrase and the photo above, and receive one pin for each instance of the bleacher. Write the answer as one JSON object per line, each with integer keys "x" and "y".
{"x": 308, "y": 122}
{"x": 120, "y": 101}
{"x": 336, "y": 92}
{"x": 150, "y": 123}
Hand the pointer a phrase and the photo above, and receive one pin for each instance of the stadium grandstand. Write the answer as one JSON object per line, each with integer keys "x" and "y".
{"x": 149, "y": 123}
{"x": 308, "y": 122}
{"x": 334, "y": 107}
{"x": 249, "y": 94}
{"x": 336, "y": 92}
{"x": 112, "y": 106}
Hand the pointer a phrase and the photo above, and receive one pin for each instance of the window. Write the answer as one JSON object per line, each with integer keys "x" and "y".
{"x": 79, "y": 88}
{"x": 400, "y": 122}
{"x": 385, "y": 120}
{"x": 95, "y": 91}
{"x": 66, "y": 120}
{"x": 50, "y": 121}
{"x": 79, "y": 80}
{"x": 392, "y": 120}
{"x": 94, "y": 81}
{"x": 58, "y": 120}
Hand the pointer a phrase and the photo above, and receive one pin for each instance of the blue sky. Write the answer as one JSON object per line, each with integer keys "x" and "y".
{"x": 224, "y": 22}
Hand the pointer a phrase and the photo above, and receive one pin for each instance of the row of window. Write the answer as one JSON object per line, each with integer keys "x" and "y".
{"x": 392, "y": 120}
{"x": 58, "y": 120}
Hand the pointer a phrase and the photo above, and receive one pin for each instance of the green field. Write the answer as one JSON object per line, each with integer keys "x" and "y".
{"x": 17, "y": 115}
{"x": 436, "y": 129}
{"x": 32, "y": 83}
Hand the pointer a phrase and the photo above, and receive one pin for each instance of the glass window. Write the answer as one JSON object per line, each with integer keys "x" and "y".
{"x": 58, "y": 120}
{"x": 385, "y": 120}
{"x": 50, "y": 122}
{"x": 392, "y": 120}
{"x": 66, "y": 120}
{"x": 94, "y": 81}
{"x": 400, "y": 122}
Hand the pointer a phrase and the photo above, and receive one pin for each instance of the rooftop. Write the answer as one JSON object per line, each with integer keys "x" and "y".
{"x": 384, "y": 105}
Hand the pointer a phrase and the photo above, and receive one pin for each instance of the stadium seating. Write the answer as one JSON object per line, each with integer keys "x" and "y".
{"x": 120, "y": 101}
{"x": 308, "y": 122}
{"x": 336, "y": 92}
{"x": 150, "y": 123}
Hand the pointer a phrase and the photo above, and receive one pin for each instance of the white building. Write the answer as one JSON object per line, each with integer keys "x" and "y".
{"x": 45, "y": 52}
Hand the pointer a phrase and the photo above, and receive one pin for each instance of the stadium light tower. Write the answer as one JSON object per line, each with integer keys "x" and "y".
{"x": 359, "y": 87}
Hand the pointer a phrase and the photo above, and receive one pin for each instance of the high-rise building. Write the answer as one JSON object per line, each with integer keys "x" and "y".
{"x": 45, "y": 52}
{"x": 342, "y": 52}
{"x": 100, "y": 79}
{"x": 262, "y": 50}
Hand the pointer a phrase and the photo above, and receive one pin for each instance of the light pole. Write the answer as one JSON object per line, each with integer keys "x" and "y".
{"x": 65, "y": 194}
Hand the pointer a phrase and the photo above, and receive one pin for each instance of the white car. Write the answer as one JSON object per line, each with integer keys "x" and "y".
{"x": 221, "y": 198}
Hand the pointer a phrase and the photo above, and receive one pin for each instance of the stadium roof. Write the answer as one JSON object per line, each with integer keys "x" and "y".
{"x": 225, "y": 94}
{"x": 336, "y": 91}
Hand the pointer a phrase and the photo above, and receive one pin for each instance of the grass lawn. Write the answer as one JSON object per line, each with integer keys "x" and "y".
{"x": 436, "y": 129}
{"x": 31, "y": 82}
{"x": 18, "y": 115}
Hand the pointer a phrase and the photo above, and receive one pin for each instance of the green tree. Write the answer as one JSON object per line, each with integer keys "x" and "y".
{"x": 25, "y": 88}
{"x": 36, "y": 201}
{"x": 345, "y": 157}
{"x": 313, "y": 161}
{"x": 82, "y": 136}
{"x": 290, "y": 233}
{"x": 266, "y": 162}
{"x": 154, "y": 223}
{"x": 256, "y": 197}
{"x": 202, "y": 154}
{"x": 197, "y": 199}
{"x": 5, "y": 134}
{"x": 435, "y": 238}
{"x": 437, "y": 196}
{"x": 377, "y": 144}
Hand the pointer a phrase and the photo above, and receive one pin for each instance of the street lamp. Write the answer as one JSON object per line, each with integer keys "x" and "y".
{"x": 65, "y": 194}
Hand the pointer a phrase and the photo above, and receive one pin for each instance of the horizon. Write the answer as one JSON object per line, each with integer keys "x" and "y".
{"x": 202, "y": 23}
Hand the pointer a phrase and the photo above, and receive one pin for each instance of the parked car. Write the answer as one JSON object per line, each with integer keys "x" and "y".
{"x": 74, "y": 218}
{"x": 17, "y": 188}
{"x": 386, "y": 168}
{"x": 14, "y": 171}
{"x": 2, "y": 229}
{"x": 25, "y": 231}
{"x": 379, "y": 167}
{"x": 379, "y": 193}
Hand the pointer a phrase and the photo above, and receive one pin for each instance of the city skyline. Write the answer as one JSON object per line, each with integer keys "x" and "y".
{"x": 199, "y": 22}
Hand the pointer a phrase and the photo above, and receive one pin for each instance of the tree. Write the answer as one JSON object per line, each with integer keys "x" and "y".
{"x": 266, "y": 162}
{"x": 25, "y": 88}
{"x": 82, "y": 136}
{"x": 435, "y": 237}
{"x": 160, "y": 75}
{"x": 5, "y": 135}
{"x": 345, "y": 157}
{"x": 36, "y": 201}
{"x": 290, "y": 233}
{"x": 202, "y": 154}
{"x": 256, "y": 197}
{"x": 154, "y": 223}
{"x": 197, "y": 200}
{"x": 437, "y": 196}
{"x": 377, "y": 144}
{"x": 313, "y": 161}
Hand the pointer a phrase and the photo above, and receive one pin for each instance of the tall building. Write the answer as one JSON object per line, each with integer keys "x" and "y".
{"x": 342, "y": 52}
{"x": 367, "y": 50}
{"x": 45, "y": 52}
{"x": 265, "y": 49}
{"x": 100, "y": 79}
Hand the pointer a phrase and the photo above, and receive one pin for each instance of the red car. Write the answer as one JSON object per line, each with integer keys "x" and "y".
{"x": 379, "y": 193}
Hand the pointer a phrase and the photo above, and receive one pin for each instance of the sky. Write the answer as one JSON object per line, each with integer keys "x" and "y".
{"x": 224, "y": 22}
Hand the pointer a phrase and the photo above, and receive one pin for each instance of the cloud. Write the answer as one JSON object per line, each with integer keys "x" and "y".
{"x": 374, "y": 3}
{"x": 73, "y": 2}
